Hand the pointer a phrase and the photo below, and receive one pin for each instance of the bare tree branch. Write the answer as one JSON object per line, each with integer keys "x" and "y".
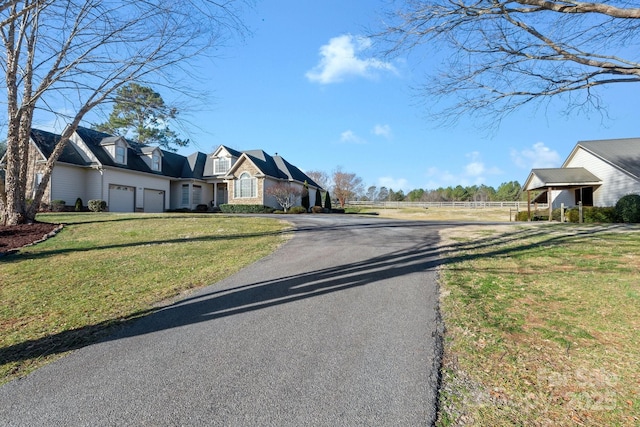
{"x": 509, "y": 53}
{"x": 80, "y": 52}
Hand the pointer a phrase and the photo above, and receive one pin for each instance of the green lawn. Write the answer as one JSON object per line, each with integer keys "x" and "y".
{"x": 102, "y": 269}
{"x": 542, "y": 325}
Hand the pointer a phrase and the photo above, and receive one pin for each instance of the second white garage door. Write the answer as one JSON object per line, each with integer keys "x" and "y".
{"x": 153, "y": 201}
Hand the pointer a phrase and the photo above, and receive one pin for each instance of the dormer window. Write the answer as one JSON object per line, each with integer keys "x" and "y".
{"x": 155, "y": 161}
{"x": 152, "y": 156}
{"x": 117, "y": 147}
{"x": 221, "y": 165}
{"x": 121, "y": 154}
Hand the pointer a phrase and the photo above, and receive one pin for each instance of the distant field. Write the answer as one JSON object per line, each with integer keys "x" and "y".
{"x": 448, "y": 214}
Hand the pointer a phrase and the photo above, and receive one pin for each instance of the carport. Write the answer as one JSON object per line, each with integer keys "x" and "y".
{"x": 548, "y": 180}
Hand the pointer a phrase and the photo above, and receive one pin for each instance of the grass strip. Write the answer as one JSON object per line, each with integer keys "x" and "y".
{"x": 103, "y": 269}
{"x": 542, "y": 325}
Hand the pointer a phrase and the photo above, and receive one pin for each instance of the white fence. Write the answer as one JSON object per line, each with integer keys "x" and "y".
{"x": 520, "y": 206}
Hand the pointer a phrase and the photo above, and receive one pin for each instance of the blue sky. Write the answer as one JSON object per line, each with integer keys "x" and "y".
{"x": 306, "y": 85}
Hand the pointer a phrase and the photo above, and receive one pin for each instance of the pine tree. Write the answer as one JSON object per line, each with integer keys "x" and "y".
{"x": 318, "y": 201}
{"x": 141, "y": 114}
{"x": 327, "y": 201}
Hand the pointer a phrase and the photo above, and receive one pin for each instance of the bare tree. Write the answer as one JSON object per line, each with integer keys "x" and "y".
{"x": 508, "y": 53}
{"x": 285, "y": 194}
{"x": 319, "y": 177}
{"x": 372, "y": 193}
{"x": 346, "y": 185}
{"x": 74, "y": 55}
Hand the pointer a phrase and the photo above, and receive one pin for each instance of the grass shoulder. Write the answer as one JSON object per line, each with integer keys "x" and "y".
{"x": 543, "y": 325}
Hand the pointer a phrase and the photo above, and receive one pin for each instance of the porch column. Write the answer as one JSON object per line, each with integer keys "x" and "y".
{"x": 549, "y": 202}
{"x": 529, "y": 205}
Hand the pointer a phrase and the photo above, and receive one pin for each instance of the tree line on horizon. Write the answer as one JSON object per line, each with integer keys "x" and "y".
{"x": 506, "y": 192}
{"x": 346, "y": 186}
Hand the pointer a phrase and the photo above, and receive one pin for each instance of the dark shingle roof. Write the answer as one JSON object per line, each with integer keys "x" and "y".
{"x": 95, "y": 139}
{"x": 277, "y": 167}
{"x": 194, "y": 166}
{"x": 171, "y": 165}
{"x": 622, "y": 153}
{"x": 293, "y": 172}
{"x": 174, "y": 165}
{"x": 46, "y": 143}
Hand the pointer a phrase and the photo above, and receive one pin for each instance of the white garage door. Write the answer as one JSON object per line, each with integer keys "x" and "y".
{"x": 121, "y": 198}
{"x": 153, "y": 200}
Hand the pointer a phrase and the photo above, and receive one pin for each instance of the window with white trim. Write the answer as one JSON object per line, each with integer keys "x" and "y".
{"x": 197, "y": 194}
{"x": 185, "y": 195}
{"x": 221, "y": 165}
{"x": 155, "y": 161}
{"x": 245, "y": 186}
{"x": 36, "y": 182}
{"x": 121, "y": 154}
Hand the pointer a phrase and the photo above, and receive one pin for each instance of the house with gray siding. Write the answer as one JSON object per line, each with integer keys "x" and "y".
{"x": 596, "y": 173}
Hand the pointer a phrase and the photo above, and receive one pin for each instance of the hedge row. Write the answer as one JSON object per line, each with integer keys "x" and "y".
{"x": 245, "y": 209}
{"x": 627, "y": 210}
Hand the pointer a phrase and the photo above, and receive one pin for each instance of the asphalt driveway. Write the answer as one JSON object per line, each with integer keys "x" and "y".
{"x": 339, "y": 327}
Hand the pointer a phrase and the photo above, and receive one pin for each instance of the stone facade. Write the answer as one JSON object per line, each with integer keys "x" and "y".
{"x": 248, "y": 167}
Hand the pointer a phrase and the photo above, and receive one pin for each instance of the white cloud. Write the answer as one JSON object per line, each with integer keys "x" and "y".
{"x": 477, "y": 168}
{"x": 394, "y": 184}
{"x": 382, "y": 130}
{"x": 339, "y": 59}
{"x": 350, "y": 137}
{"x": 475, "y": 172}
{"x": 538, "y": 156}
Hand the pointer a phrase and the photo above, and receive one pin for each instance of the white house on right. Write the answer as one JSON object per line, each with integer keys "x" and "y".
{"x": 596, "y": 173}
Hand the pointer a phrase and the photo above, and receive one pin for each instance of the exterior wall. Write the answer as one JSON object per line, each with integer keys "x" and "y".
{"x": 615, "y": 182}
{"x": 253, "y": 171}
{"x": 175, "y": 195}
{"x": 175, "y": 201}
{"x": 94, "y": 186}
{"x": 559, "y": 197}
{"x": 272, "y": 202}
{"x": 138, "y": 180}
{"x": 68, "y": 183}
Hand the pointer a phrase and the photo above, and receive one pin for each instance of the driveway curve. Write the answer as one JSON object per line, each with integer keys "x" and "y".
{"x": 339, "y": 326}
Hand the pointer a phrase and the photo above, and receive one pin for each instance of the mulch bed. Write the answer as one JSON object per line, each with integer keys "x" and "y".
{"x": 17, "y": 236}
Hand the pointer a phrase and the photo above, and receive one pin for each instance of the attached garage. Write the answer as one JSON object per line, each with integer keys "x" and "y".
{"x": 121, "y": 198}
{"x": 153, "y": 201}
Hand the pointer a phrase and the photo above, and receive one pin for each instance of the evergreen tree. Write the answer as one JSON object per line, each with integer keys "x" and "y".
{"x": 306, "y": 203}
{"x": 327, "y": 201}
{"x": 318, "y": 201}
{"x": 141, "y": 114}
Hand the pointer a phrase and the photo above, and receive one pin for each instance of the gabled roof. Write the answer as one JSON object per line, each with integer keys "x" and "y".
{"x": 293, "y": 172}
{"x": 560, "y": 177}
{"x": 174, "y": 165}
{"x": 274, "y": 167}
{"x": 623, "y": 154}
{"x": 208, "y": 165}
{"x": 95, "y": 140}
{"x": 233, "y": 152}
{"x": 194, "y": 166}
{"x": 46, "y": 143}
